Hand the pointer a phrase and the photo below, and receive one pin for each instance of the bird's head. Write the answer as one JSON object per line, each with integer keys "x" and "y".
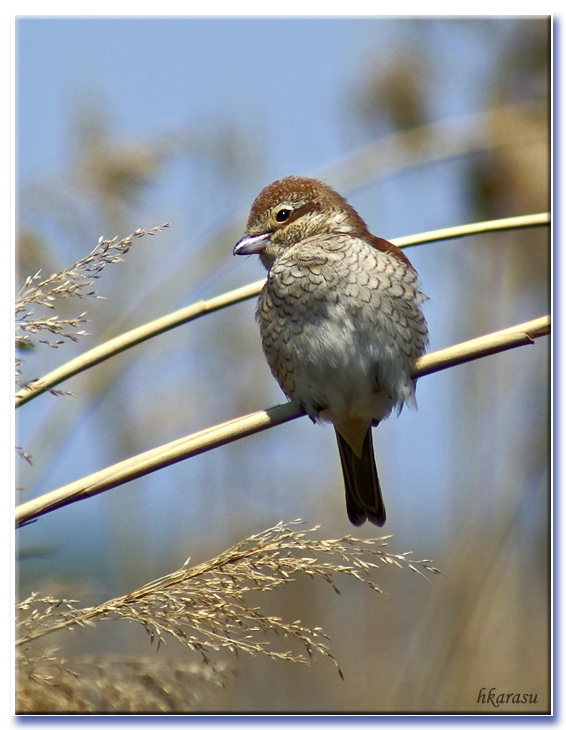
{"x": 292, "y": 210}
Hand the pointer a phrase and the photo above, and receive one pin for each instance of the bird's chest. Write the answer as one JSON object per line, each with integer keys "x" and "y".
{"x": 321, "y": 303}
{"x": 320, "y": 334}
{"x": 305, "y": 313}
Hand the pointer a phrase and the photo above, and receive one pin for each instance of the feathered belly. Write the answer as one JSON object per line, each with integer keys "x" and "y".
{"x": 337, "y": 367}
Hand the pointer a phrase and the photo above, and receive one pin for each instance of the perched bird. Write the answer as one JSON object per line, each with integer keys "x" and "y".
{"x": 340, "y": 321}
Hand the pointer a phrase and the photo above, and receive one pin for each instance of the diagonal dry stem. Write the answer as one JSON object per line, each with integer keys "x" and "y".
{"x": 210, "y": 438}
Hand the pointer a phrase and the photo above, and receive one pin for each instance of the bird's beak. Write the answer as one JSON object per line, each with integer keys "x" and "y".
{"x": 251, "y": 244}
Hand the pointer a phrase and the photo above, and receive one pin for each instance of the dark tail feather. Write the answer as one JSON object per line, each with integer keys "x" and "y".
{"x": 363, "y": 493}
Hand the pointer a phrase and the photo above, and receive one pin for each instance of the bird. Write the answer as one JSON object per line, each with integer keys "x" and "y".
{"x": 341, "y": 321}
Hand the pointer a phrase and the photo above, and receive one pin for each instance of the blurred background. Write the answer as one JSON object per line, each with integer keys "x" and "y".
{"x": 128, "y": 123}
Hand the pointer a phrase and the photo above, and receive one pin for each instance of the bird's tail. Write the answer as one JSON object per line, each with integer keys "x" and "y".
{"x": 363, "y": 493}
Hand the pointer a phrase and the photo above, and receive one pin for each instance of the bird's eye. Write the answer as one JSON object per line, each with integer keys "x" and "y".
{"x": 283, "y": 214}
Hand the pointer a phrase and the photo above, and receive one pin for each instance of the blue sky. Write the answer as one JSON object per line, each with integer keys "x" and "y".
{"x": 285, "y": 77}
{"x": 161, "y": 72}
